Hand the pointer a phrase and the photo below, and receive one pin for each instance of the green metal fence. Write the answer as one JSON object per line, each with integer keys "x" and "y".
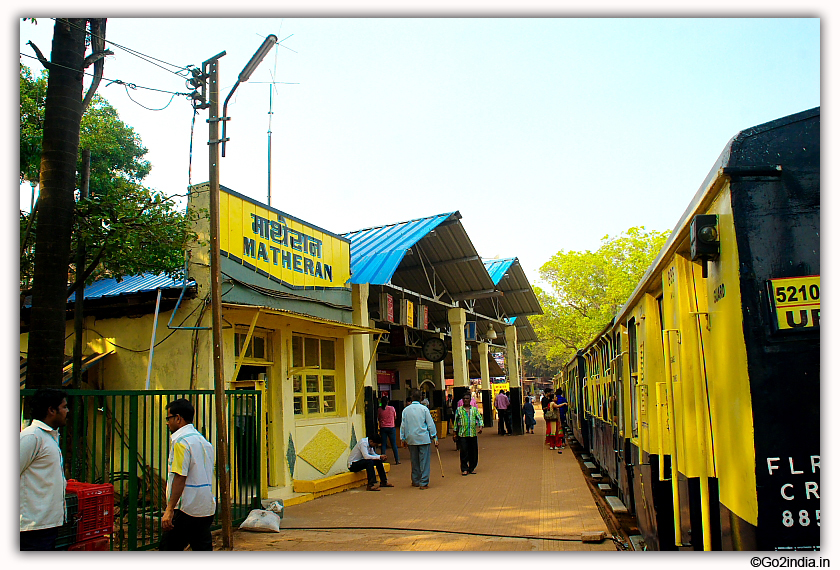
{"x": 120, "y": 437}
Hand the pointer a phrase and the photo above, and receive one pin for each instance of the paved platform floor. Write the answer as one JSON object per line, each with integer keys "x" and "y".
{"x": 523, "y": 496}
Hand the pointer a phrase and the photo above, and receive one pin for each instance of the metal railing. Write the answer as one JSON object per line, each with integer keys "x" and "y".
{"x": 120, "y": 437}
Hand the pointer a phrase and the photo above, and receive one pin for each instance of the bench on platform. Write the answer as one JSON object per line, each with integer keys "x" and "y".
{"x": 334, "y": 484}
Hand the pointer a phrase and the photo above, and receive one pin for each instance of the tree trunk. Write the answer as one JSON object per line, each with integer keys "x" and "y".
{"x": 60, "y": 148}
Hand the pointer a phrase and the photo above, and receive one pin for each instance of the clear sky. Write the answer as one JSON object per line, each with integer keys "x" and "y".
{"x": 545, "y": 133}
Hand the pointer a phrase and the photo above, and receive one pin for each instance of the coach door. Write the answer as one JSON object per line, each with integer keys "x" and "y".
{"x": 685, "y": 323}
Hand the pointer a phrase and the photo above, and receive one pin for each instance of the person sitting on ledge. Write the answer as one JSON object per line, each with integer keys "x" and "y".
{"x": 363, "y": 456}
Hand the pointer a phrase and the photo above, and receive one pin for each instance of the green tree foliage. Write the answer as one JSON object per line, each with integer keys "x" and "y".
{"x": 32, "y": 94}
{"x": 126, "y": 227}
{"x": 586, "y": 290}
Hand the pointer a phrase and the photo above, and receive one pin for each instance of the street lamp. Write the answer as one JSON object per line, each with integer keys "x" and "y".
{"x": 211, "y": 72}
{"x": 244, "y": 75}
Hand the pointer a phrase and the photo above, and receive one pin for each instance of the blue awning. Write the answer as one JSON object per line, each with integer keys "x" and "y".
{"x": 133, "y": 284}
{"x": 497, "y": 268}
{"x": 375, "y": 253}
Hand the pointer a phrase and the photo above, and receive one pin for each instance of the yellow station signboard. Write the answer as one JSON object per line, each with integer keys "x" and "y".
{"x": 796, "y": 302}
{"x": 280, "y": 246}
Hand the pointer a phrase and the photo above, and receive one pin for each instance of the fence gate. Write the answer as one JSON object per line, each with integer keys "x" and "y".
{"x": 120, "y": 437}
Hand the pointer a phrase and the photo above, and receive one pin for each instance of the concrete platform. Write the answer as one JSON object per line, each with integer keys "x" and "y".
{"x": 523, "y": 497}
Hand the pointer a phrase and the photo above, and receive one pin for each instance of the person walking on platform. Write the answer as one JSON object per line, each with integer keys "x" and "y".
{"x": 449, "y": 410}
{"x": 528, "y": 414}
{"x": 363, "y": 456}
{"x": 502, "y": 404}
{"x": 563, "y": 406}
{"x": 387, "y": 416}
{"x": 544, "y": 402}
{"x": 460, "y": 403}
{"x": 418, "y": 430}
{"x": 190, "y": 501}
{"x": 42, "y": 483}
{"x": 552, "y": 418}
{"x": 468, "y": 424}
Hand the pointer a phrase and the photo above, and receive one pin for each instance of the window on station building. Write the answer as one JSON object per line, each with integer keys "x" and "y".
{"x": 259, "y": 348}
{"x": 314, "y": 384}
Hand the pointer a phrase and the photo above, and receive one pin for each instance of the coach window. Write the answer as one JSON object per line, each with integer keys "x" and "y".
{"x": 632, "y": 357}
{"x": 314, "y": 386}
{"x": 585, "y": 395}
{"x": 619, "y": 376}
{"x": 661, "y": 314}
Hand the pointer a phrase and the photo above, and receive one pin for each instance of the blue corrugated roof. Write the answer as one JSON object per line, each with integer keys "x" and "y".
{"x": 133, "y": 284}
{"x": 497, "y": 268}
{"x": 375, "y": 253}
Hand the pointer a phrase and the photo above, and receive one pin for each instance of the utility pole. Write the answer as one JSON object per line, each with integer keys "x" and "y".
{"x": 210, "y": 75}
{"x": 210, "y": 69}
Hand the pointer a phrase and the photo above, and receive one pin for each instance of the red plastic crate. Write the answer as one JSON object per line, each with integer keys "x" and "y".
{"x": 100, "y": 543}
{"x": 96, "y": 508}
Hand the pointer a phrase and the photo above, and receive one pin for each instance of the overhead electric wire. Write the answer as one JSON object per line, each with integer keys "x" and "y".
{"x": 135, "y": 53}
{"x": 118, "y": 81}
{"x": 192, "y": 137}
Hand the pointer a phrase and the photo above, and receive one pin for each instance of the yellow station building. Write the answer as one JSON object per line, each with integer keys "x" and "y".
{"x": 300, "y": 327}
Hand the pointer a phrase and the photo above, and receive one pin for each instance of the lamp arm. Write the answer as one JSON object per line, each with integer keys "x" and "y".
{"x": 225, "y": 116}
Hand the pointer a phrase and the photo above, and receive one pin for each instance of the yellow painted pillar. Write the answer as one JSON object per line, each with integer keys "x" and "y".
{"x": 483, "y": 355}
{"x": 512, "y": 356}
{"x": 362, "y": 342}
{"x": 440, "y": 377}
{"x": 457, "y": 320}
{"x": 361, "y": 357}
{"x": 512, "y": 360}
{"x": 486, "y": 392}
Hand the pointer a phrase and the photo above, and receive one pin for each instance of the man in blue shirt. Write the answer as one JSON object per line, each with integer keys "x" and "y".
{"x": 418, "y": 430}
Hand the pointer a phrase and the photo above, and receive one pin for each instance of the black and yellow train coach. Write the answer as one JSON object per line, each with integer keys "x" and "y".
{"x": 701, "y": 400}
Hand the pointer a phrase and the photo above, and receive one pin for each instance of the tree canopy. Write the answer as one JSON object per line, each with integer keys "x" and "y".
{"x": 32, "y": 94}
{"x": 586, "y": 290}
{"x": 126, "y": 227}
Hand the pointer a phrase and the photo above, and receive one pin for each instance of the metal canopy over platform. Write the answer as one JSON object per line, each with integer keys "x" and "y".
{"x": 524, "y": 330}
{"x": 433, "y": 262}
{"x": 518, "y": 297}
{"x": 431, "y": 256}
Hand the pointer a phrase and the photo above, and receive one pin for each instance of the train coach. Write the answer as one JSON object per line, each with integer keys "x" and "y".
{"x": 701, "y": 399}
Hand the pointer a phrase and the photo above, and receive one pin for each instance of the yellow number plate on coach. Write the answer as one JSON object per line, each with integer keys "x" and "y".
{"x": 796, "y": 302}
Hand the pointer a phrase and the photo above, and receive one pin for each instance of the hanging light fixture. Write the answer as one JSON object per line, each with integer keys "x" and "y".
{"x": 491, "y": 333}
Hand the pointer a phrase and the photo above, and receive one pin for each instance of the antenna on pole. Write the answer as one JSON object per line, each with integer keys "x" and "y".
{"x": 270, "y": 113}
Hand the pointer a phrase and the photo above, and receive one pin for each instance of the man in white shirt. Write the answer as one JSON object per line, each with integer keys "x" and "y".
{"x": 364, "y": 456}
{"x": 190, "y": 501}
{"x": 42, "y": 483}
